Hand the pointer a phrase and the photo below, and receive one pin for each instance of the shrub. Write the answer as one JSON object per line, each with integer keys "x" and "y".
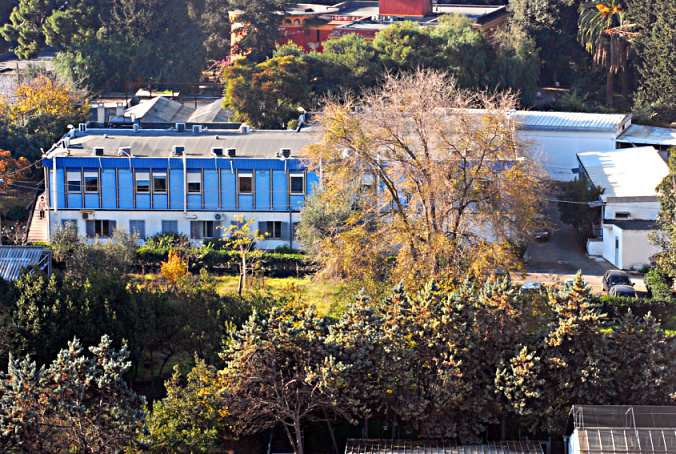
{"x": 658, "y": 284}
{"x": 167, "y": 241}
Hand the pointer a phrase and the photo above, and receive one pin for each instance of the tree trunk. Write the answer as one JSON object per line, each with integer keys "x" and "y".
{"x": 333, "y": 435}
{"x": 365, "y": 428}
{"x": 610, "y": 89}
{"x": 299, "y": 437}
{"x": 625, "y": 83}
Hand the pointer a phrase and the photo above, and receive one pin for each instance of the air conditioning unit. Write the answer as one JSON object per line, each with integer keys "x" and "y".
{"x": 217, "y": 152}
{"x": 178, "y": 150}
{"x": 124, "y": 151}
{"x": 217, "y": 216}
{"x": 196, "y": 129}
{"x": 98, "y": 151}
{"x": 232, "y": 152}
{"x": 285, "y": 153}
{"x": 136, "y": 127}
{"x": 85, "y": 215}
{"x": 180, "y": 127}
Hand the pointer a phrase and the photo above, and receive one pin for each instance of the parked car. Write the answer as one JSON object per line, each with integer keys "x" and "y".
{"x": 615, "y": 277}
{"x": 532, "y": 287}
{"x": 626, "y": 291}
{"x": 543, "y": 235}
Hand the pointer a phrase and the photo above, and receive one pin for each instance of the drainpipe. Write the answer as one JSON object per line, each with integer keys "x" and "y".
{"x": 290, "y": 231}
{"x": 185, "y": 184}
{"x": 56, "y": 200}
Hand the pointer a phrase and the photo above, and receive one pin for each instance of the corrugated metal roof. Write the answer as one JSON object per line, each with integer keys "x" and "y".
{"x": 627, "y": 440}
{"x": 13, "y": 259}
{"x": 648, "y": 135}
{"x": 570, "y": 121}
{"x": 377, "y": 446}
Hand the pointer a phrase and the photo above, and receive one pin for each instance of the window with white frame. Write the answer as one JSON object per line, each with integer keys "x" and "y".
{"x": 138, "y": 228}
{"x": 245, "y": 182}
{"x": 91, "y": 181}
{"x": 297, "y": 183}
{"x": 271, "y": 230}
{"x": 142, "y": 181}
{"x": 100, "y": 228}
{"x": 204, "y": 229}
{"x": 74, "y": 179}
{"x": 194, "y": 182}
{"x": 159, "y": 181}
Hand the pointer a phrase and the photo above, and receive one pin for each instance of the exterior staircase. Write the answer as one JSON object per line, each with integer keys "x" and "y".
{"x": 38, "y": 229}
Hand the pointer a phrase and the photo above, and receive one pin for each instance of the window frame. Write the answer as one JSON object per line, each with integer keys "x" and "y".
{"x": 204, "y": 229}
{"x": 161, "y": 174}
{"x": 142, "y": 222}
{"x": 69, "y": 223}
{"x": 167, "y": 221}
{"x": 292, "y": 176}
{"x": 99, "y": 227}
{"x": 137, "y": 173}
{"x": 79, "y": 181}
{"x": 270, "y": 226}
{"x": 92, "y": 174}
{"x": 248, "y": 175}
{"x": 188, "y": 182}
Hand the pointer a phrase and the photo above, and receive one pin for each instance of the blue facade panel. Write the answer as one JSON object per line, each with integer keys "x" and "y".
{"x": 297, "y": 202}
{"x": 75, "y": 200}
{"x": 142, "y": 201}
{"x": 210, "y": 190}
{"x": 194, "y": 201}
{"x": 280, "y": 192}
{"x": 246, "y": 202}
{"x": 159, "y": 201}
{"x": 126, "y": 190}
{"x": 108, "y": 190}
{"x": 61, "y": 199}
{"x": 176, "y": 189}
{"x": 228, "y": 190}
{"x": 262, "y": 189}
{"x": 92, "y": 201}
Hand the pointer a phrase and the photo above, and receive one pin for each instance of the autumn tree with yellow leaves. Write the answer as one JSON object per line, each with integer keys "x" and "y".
{"x": 434, "y": 179}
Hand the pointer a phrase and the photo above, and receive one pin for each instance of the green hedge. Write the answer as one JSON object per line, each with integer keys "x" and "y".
{"x": 616, "y": 306}
{"x": 224, "y": 262}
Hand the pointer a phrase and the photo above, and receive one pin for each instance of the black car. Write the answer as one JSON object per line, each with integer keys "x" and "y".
{"x": 626, "y": 291}
{"x": 615, "y": 277}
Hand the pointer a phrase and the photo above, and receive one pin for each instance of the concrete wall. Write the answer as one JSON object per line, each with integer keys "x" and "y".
{"x": 557, "y": 151}
{"x": 632, "y": 250}
{"x": 636, "y": 210}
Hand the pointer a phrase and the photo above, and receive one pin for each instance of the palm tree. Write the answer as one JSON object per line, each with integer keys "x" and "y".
{"x": 605, "y": 34}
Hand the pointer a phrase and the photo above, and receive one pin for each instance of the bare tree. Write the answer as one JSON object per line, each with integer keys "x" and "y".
{"x": 435, "y": 176}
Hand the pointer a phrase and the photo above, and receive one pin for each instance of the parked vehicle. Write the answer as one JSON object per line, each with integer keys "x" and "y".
{"x": 626, "y": 291}
{"x": 615, "y": 277}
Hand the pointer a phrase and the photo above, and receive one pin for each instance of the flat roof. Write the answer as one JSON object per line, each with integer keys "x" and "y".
{"x": 648, "y": 135}
{"x": 161, "y": 142}
{"x": 570, "y": 121}
{"x": 358, "y": 9}
{"x": 474, "y": 12}
{"x": 629, "y": 172}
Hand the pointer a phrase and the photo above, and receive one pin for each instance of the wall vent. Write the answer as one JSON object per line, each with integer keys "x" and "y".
{"x": 98, "y": 151}
{"x": 82, "y": 127}
{"x": 178, "y": 150}
{"x": 124, "y": 151}
{"x": 285, "y": 153}
{"x": 232, "y": 152}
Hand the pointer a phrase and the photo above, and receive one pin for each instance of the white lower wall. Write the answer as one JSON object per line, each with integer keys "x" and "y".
{"x": 632, "y": 250}
{"x": 595, "y": 248}
{"x": 636, "y": 210}
{"x": 153, "y": 221}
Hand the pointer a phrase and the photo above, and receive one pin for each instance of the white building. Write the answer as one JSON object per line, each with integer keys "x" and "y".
{"x": 630, "y": 206}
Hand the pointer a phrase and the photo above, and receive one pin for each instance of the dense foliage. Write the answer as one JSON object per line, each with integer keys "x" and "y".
{"x": 666, "y": 220}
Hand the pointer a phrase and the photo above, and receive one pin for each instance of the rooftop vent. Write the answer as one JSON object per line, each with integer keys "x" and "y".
{"x": 285, "y": 153}
{"x": 98, "y": 151}
{"x": 124, "y": 151}
{"x": 232, "y": 152}
{"x": 244, "y": 129}
{"x": 196, "y": 129}
{"x": 178, "y": 150}
{"x": 180, "y": 127}
{"x": 82, "y": 127}
{"x": 217, "y": 152}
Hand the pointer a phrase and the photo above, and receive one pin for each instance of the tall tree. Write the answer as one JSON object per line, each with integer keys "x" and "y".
{"x": 256, "y": 27}
{"x": 434, "y": 183}
{"x": 77, "y": 404}
{"x": 666, "y": 220}
{"x": 655, "y": 47}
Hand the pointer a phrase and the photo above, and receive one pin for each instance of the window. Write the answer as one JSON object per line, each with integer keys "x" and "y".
{"x": 204, "y": 229}
{"x": 138, "y": 228}
{"x": 271, "y": 230}
{"x": 297, "y": 183}
{"x": 142, "y": 182}
{"x": 160, "y": 181}
{"x": 622, "y": 215}
{"x": 74, "y": 181}
{"x": 100, "y": 228}
{"x": 91, "y": 180}
{"x": 245, "y": 183}
{"x": 194, "y": 182}
{"x": 69, "y": 224}
{"x": 170, "y": 227}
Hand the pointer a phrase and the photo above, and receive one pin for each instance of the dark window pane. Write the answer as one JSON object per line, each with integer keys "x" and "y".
{"x": 138, "y": 228}
{"x": 297, "y": 185}
{"x": 245, "y": 184}
{"x": 91, "y": 229}
{"x": 194, "y": 187}
{"x": 159, "y": 182}
{"x": 196, "y": 230}
{"x": 91, "y": 184}
{"x": 169, "y": 226}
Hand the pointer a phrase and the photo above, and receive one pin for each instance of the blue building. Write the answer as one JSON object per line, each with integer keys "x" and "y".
{"x": 192, "y": 181}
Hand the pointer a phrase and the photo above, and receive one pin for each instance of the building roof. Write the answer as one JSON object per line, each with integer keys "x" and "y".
{"x": 571, "y": 121}
{"x": 632, "y": 224}
{"x": 629, "y": 172}
{"x": 161, "y": 142}
{"x": 477, "y": 13}
{"x": 648, "y": 135}
{"x": 374, "y": 446}
{"x": 159, "y": 109}
{"x": 14, "y": 259}
{"x": 623, "y": 416}
{"x": 210, "y": 113}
